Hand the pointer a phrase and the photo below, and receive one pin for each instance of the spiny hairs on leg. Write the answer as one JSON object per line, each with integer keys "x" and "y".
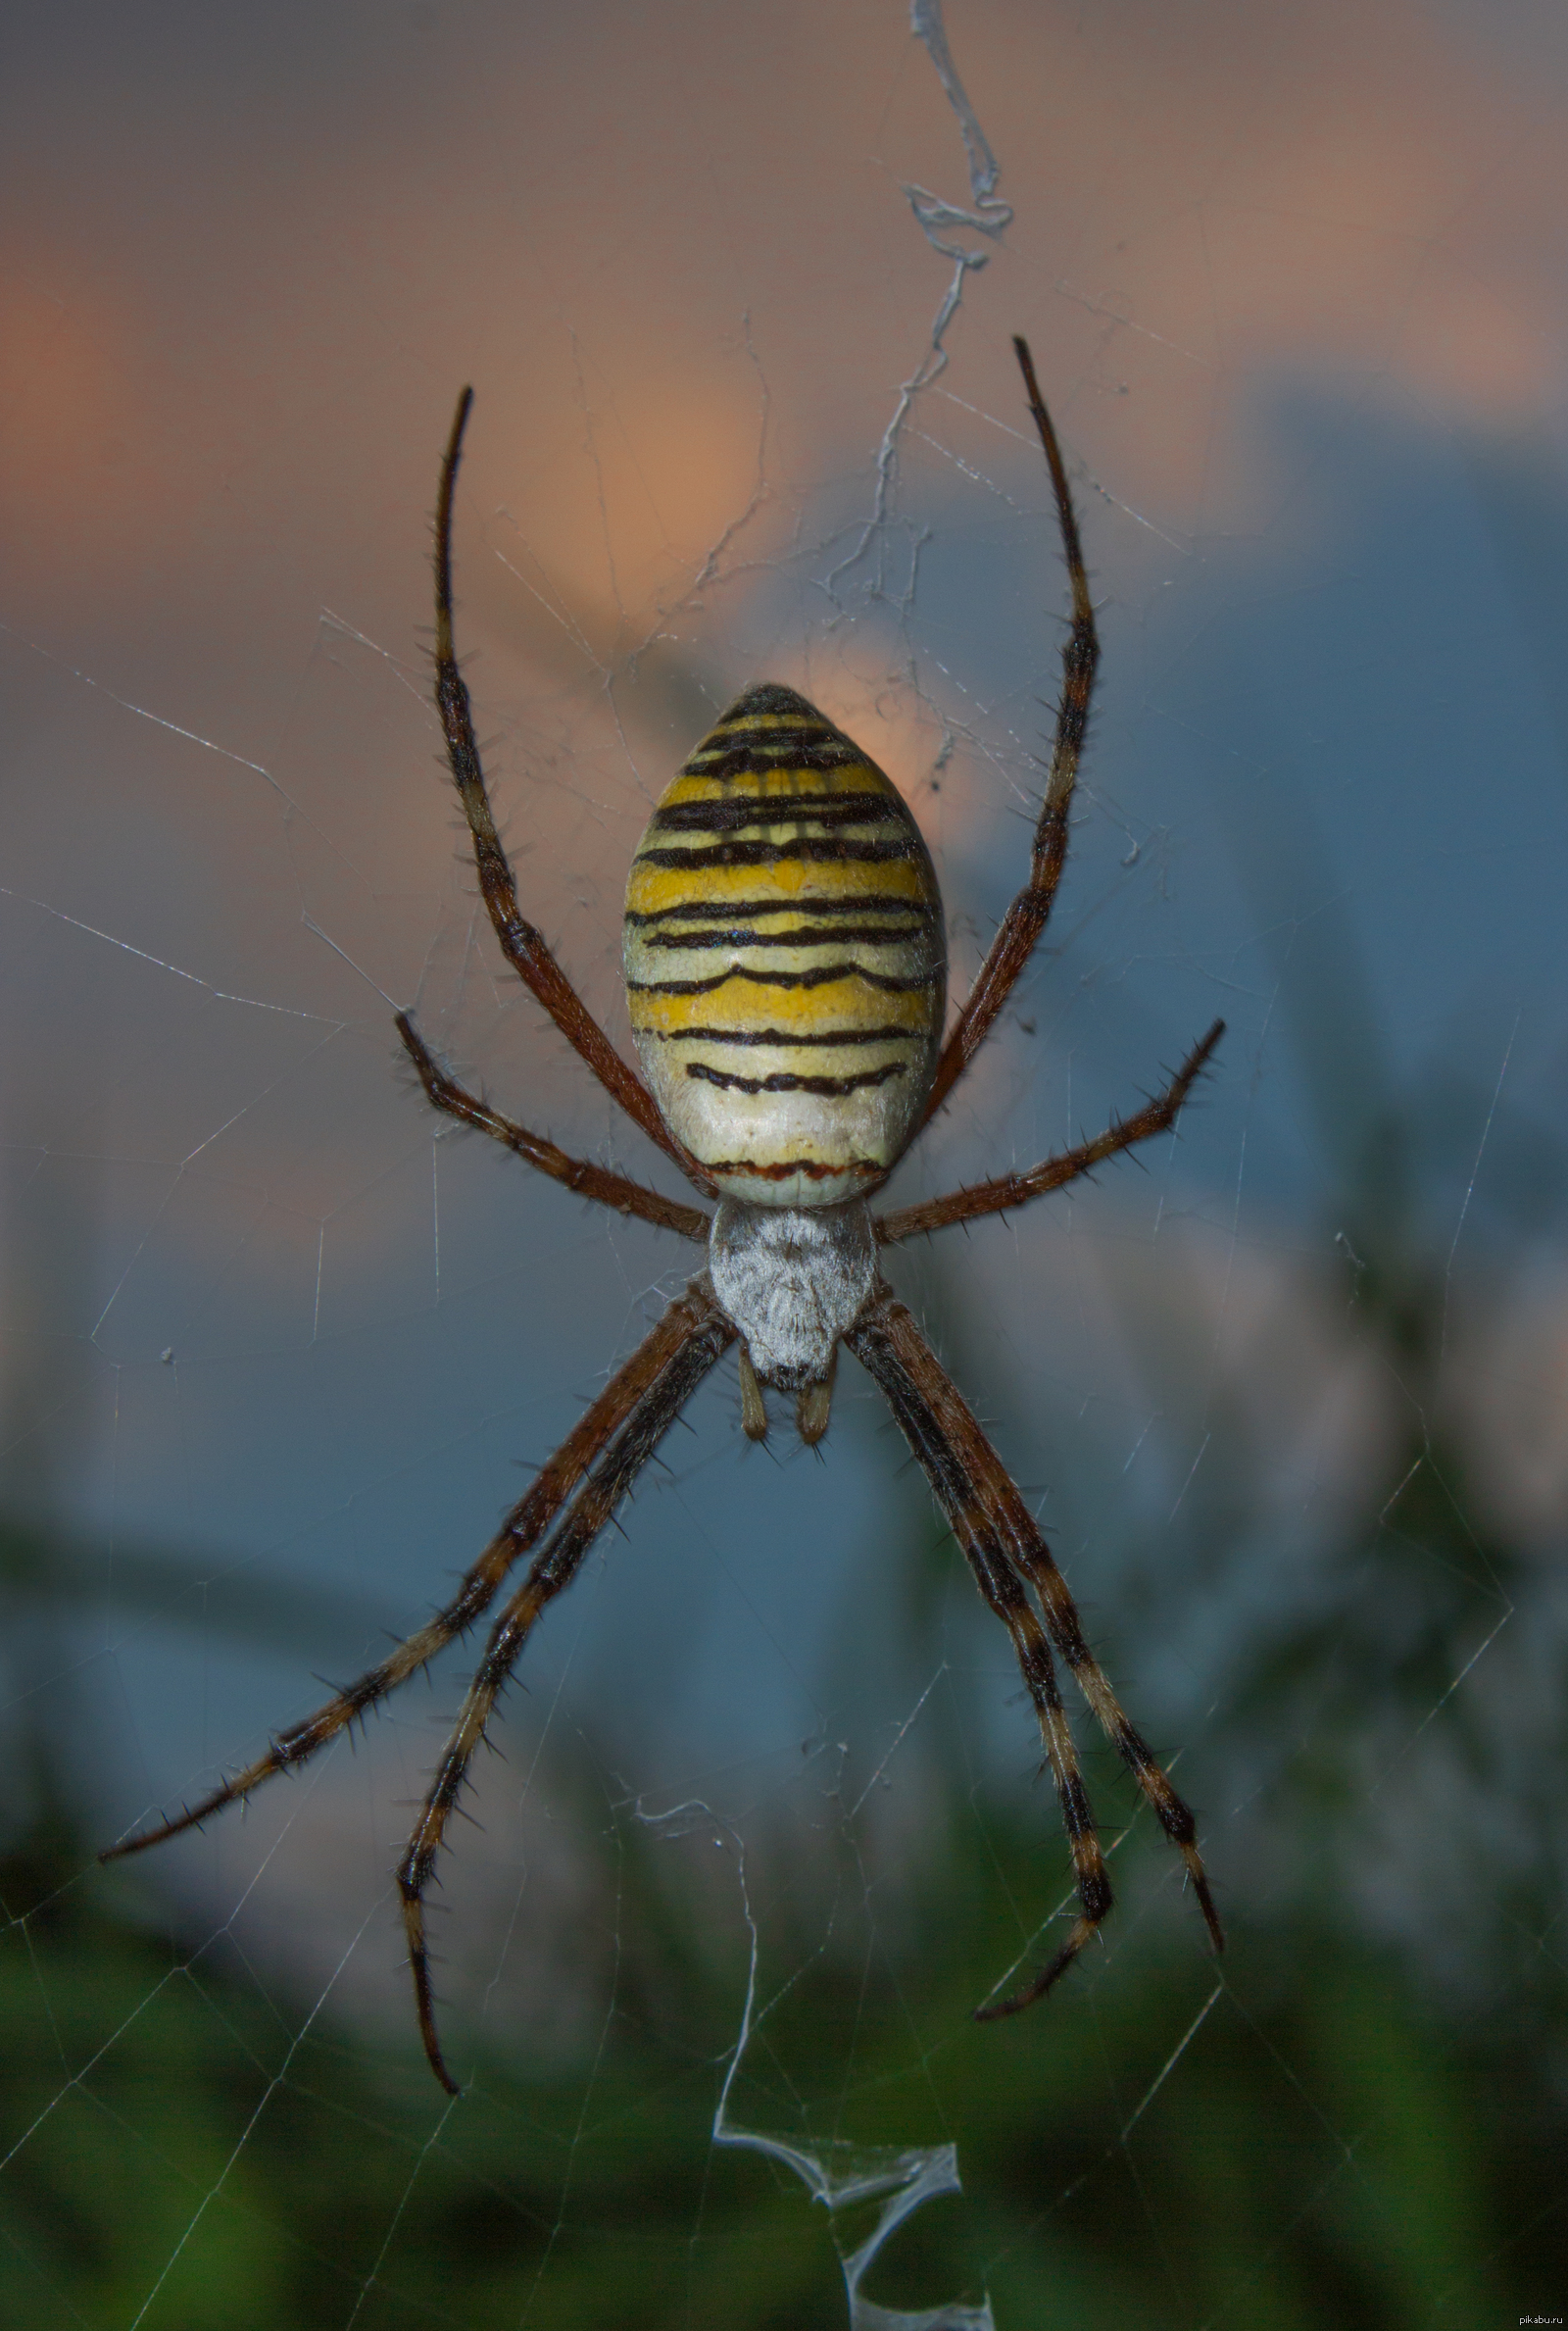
{"x": 1004, "y": 1543}
{"x": 553, "y": 1569}
{"x": 1002, "y": 1503}
{"x": 1012, "y": 1190}
{"x": 522, "y": 945}
{"x": 1005, "y": 1592}
{"x": 1029, "y": 913}
{"x": 443, "y": 1091}
{"x": 521, "y": 1531}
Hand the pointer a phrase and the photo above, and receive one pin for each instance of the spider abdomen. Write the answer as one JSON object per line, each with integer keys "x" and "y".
{"x": 786, "y": 966}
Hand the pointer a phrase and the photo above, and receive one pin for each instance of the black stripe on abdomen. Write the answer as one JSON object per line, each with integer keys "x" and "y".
{"x": 835, "y": 852}
{"x": 871, "y": 934}
{"x": 785, "y": 1042}
{"x": 774, "y": 810}
{"x": 820, "y": 977}
{"x": 783, "y": 748}
{"x": 783, "y": 1081}
{"x": 865, "y": 902}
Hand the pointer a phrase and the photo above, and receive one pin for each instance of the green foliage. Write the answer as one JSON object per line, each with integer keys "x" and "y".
{"x": 1327, "y": 2147}
{"x": 1359, "y": 2121}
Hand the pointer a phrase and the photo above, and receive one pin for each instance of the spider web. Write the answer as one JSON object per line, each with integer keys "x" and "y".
{"x": 736, "y": 291}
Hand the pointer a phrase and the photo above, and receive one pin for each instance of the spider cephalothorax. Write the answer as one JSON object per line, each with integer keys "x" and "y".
{"x": 786, "y": 975}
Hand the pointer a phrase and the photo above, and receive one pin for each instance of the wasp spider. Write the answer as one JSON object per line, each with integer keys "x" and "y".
{"x": 786, "y": 969}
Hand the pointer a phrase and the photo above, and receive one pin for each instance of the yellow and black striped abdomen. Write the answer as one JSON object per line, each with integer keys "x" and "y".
{"x": 786, "y": 964}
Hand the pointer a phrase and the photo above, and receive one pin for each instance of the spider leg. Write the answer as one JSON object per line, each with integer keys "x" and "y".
{"x": 1004, "y": 1591}
{"x": 990, "y": 1521}
{"x": 1030, "y": 910}
{"x": 589, "y": 1181}
{"x": 1016, "y": 1189}
{"x": 692, "y": 1315}
{"x": 522, "y": 945}
{"x": 553, "y": 1569}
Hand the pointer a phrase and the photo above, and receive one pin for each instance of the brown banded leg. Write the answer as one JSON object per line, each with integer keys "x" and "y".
{"x": 1030, "y": 910}
{"x": 689, "y": 1316}
{"x": 1016, "y": 1189}
{"x": 554, "y": 1567}
{"x": 986, "y": 1513}
{"x": 521, "y": 943}
{"x": 443, "y": 1091}
{"x": 1005, "y": 1592}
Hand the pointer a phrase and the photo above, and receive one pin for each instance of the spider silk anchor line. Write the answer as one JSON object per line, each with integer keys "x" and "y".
{"x": 786, "y": 973}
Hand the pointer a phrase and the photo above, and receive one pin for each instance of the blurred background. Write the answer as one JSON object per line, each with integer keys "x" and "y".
{"x": 1291, "y": 1392}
